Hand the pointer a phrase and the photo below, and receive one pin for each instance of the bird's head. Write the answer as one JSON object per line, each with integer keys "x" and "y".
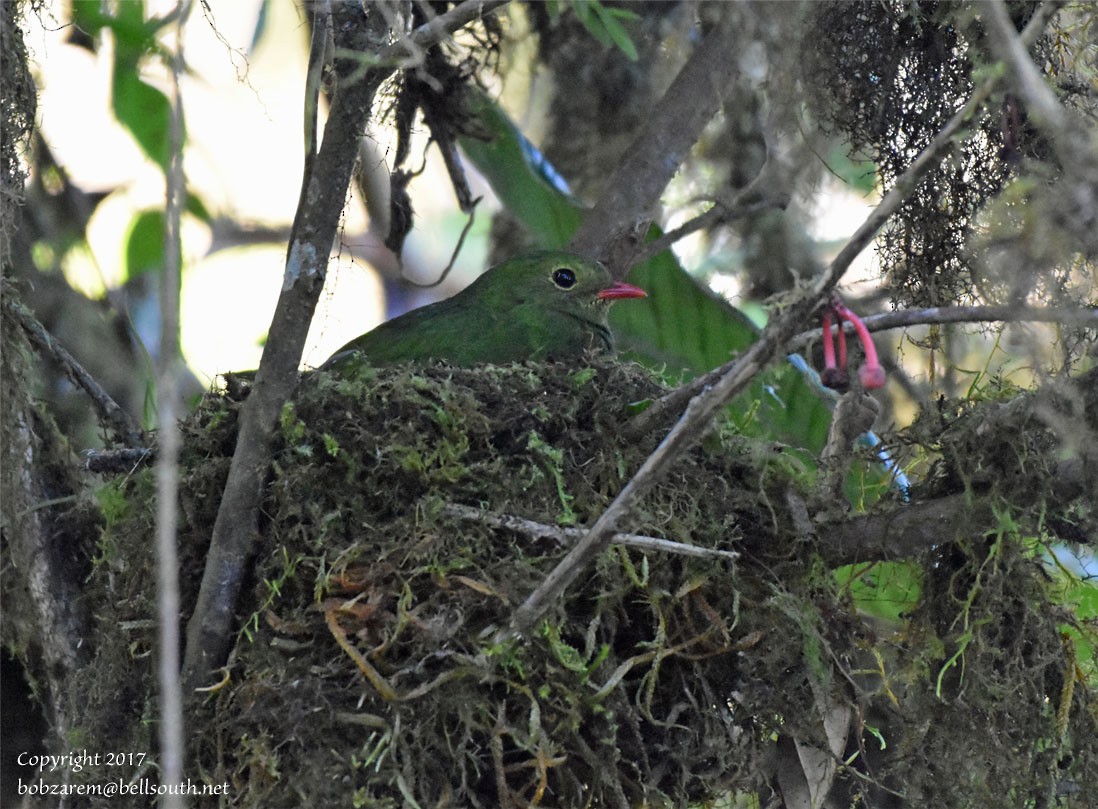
{"x": 561, "y": 281}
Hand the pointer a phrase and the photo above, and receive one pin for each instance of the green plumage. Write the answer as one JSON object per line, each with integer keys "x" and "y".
{"x": 544, "y": 305}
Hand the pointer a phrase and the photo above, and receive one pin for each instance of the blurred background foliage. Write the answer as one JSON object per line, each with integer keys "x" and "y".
{"x": 532, "y": 110}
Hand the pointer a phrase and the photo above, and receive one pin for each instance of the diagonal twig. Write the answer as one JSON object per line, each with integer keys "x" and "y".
{"x": 612, "y": 229}
{"x": 721, "y": 385}
{"x": 125, "y": 430}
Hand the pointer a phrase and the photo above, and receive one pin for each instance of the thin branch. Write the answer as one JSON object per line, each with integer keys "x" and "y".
{"x": 612, "y": 229}
{"x": 320, "y": 45}
{"x": 769, "y": 190}
{"x": 324, "y": 184}
{"x": 169, "y": 374}
{"x": 1008, "y": 46}
{"x": 122, "y": 426}
{"x": 721, "y": 385}
{"x": 1071, "y": 141}
{"x": 539, "y": 530}
{"x": 910, "y": 530}
{"x": 1067, "y": 316}
{"x": 718, "y": 214}
{"x": 432, "y": 33}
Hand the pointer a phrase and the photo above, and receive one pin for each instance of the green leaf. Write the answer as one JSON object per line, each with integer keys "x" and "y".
{"x": 197, "y": 208}
{"x": 145, "y": 244}
{"x": 886, "y": 590}
{"x": 682, "y": 325}
{"x": 604, "y": 24}
{"x": 87, "y": 17}
{"x": 609, "y": 18}
{"x": 133, "y": 36}
{"x": 144, "y": 111}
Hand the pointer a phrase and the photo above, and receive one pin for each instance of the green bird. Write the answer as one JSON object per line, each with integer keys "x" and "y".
{"x": 543, "y": 305}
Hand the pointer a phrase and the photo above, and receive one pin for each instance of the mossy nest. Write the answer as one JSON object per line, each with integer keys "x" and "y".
{"x": 374, "y": 662}
{"x": 370, "y": 670}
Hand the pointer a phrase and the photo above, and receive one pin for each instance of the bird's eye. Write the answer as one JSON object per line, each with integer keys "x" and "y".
{"x": 564, "y": 278}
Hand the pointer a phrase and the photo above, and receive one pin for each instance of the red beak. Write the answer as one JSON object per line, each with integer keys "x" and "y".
{"x": 619, "y": 289}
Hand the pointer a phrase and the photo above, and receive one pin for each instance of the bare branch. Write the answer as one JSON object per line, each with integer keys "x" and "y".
{"x": 356, "y": 33}
{"x": 1009, "y": 47}
{"x": 432, "y": 33}
{"x": 769, "y": 190}
{"x": 117, "y": 461}
{"x": 124, "y": 429}
{"x": 170, "y": 370}
{"x": 717, "y": 387}
{"x": 1071, "y": 140}
{"x": 612, "y": 229}
{"x": 319, "y": 47}
{"x": 909, "y": 530}
{"x": 314, "y": 229}
{"x": 539, "y": 530}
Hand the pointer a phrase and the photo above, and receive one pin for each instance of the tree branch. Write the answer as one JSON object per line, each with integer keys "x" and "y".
{"x": 125, "y": 430}
{"x": 722, "y": 384}
{"x": 323, "y": 187}
{"x": 356, "y": 33}
{"x": 1041, "y": 103}
{"x": 909, "y": 530}
{"x": 769, "y": 190}
{"x": 611, "y": 230}
{"x": 170, "y": 370}
{"x": 432, "y": 33}
{"x": 1071, "y": 141}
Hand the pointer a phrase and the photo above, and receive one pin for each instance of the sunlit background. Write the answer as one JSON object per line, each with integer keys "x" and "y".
{"x": 244, "y": 108}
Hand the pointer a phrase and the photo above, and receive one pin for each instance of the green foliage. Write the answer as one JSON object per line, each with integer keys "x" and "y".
{"x": 885, "y": 590}
{"x": 573, "y": 659}
{"x": 1076, "y": 590}
{"x": 858, "y": 172}
{"x": 293, "y": 428}
{"x": 145, "y": 244}
{"x": 143, "y": 110}
{"x": 114, "y": 503}
{"x": 138, "y": 106}
{"x": 602, "y": 22}
{"x": 272, "y": 587}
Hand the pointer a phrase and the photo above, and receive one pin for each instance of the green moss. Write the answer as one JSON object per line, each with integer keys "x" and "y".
{"x": 658, "y": 679}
